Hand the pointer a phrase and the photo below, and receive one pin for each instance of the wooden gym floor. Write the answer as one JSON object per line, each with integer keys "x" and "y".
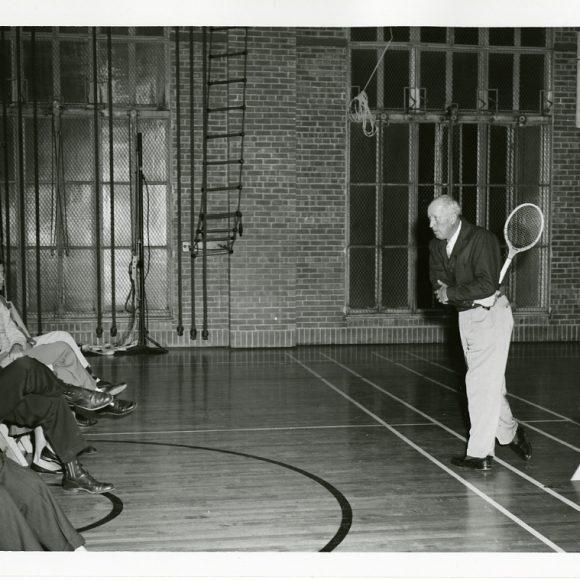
{"x": 340, "y": 449}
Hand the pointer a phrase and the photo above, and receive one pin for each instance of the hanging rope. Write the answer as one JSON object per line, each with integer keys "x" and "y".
{"x": 358, "y": 108}
{"x": 193, "y": 329}
{"x": 178, "y": 169}
{"x": 99, "y": 329}
{"x": 113, "y": 330}
{"x": 36, "y": 180}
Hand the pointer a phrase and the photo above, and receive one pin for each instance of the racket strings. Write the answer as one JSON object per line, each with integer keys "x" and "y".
{"x": 524, "y": 227}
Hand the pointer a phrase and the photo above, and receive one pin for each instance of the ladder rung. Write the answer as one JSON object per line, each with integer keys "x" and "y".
{"x": 222, "y": 215}
{"x": 215, "y": 239}
{"x": 225, "y": 188}
{"x": 226, "y": 54}
{"x": 223, "y": 109}
{"x": 219, "y": 231}
{"x": 227, "y": 81}
{"x": 225, "y": 135}
{"x": 228, "y": 162}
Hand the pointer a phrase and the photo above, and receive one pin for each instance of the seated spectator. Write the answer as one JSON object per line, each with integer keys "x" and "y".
{"x": 31, "y": 395}
{"x": 57, "y": 350}
{"x": 30, "y": 519}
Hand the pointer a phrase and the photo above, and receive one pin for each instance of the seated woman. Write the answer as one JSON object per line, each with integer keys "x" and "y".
{"x": 30, "y": 519}
{"x": 31, "y": 395}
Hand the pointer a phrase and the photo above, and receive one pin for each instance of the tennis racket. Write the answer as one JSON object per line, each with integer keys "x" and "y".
{"x": 522, "y": 231}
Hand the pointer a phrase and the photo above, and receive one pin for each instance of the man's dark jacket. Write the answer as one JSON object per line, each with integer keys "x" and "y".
{"x": 472, "y": 270}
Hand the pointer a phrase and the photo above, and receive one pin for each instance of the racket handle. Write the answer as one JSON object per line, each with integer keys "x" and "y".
{"x": 506, "y": 265}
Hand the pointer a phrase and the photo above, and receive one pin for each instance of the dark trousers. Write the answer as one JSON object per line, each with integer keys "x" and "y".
{"x": 31, "y": 396}
{"x": 30, "y": 519}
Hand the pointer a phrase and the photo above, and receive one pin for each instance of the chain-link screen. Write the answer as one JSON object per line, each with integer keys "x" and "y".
{"x": 454, "y": 80}
{"x": 68, "y": 212}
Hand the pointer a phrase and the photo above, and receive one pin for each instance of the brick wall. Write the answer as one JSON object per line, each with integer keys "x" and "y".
{"x": 565, "y": 272}
{"x": 285, "y": 284}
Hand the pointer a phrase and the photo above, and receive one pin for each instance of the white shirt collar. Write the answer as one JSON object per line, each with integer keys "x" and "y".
{"x": 451, "y": 241}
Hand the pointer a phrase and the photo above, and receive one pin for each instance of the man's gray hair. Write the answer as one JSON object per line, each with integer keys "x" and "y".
{"x": 449, "y": 204}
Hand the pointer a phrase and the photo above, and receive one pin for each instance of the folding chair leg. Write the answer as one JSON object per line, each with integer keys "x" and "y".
{"x": 10, "y": 447}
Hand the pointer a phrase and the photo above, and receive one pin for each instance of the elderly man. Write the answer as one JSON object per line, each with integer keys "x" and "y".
{"x": 464, "y": 267}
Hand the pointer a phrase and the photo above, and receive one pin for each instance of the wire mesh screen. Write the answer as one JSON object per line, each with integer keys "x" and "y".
{"x": 488, "y": 165}
{"x": 396, "y": 79}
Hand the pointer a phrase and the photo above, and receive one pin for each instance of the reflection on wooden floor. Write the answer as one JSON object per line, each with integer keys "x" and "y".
{"x": 329, "y": 448}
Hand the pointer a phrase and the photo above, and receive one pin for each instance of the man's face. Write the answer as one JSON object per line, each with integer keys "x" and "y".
{"x": 441, "y": 220}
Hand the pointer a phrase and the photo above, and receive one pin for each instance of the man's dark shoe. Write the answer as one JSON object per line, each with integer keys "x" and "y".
{"x": 76, "y": 478}
{"x": 111, "y": 388}
{"x": 521, "y": 445}
{"x": 119, "y": 408}
{"x": 479, "y": 463}
{"x": 89, "y": 450}
{"x": 83, "y": 421}
{"x": 85, "y": 399}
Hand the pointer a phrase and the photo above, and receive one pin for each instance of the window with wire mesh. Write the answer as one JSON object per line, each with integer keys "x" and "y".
{"x": 64, "y": 214}
{"x": 460, "y": 111}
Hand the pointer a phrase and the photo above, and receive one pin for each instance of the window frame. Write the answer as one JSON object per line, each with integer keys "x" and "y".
{"x": 482, "y": 116}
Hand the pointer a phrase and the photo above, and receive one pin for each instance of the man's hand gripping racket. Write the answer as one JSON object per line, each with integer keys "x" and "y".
{"x": 523, "y": 228}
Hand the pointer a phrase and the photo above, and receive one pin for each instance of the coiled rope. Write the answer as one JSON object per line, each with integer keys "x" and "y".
{"x": 358, "y": 108}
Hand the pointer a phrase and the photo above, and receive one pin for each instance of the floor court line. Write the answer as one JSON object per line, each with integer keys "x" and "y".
{"x": 431, "y": 458}
{"x": 509, "y": 394}
{"x": 562, "y": 442}
{"x": 505, "y": 464}
{"x": 241, "y": 429}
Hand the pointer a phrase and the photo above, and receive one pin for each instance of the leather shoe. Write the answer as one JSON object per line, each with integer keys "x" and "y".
{"x": 119, "y": 408}
{"x": 82, "y": 480}
{"x": 110, "y": 388}
{"x": 52, "y": 467}
{"x": 49, "y": 455}
{"x": 521, "y": 445}
{"x": 89, "y": 450}
{"x": 479, "y": 463}
{"x": 85, "y": 399}
{"x": 83, "y": 421}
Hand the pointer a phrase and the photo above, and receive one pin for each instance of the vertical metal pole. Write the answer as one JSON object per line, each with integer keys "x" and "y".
{"x": 203, "y": 220}
{"x": 141, "y": 300}
{"x": 178, "y": 169}
{"x": 99, "y": 329}
{"x": 450, "y": 137}
{"x": 111, "y": 180}
{"x": 36, "y": 180}
{"x": 193, "y": 329}
{"x": 4, "y": 226}
{"x": 21, "y": 185}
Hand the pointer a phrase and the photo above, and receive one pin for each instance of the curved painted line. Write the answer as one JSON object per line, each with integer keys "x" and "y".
{"x": 345, "y": 507}
{"x": 117, "y": 509}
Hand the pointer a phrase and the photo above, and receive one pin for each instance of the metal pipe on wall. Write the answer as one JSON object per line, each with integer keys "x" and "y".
{"x": 4, "y": 211}
{"x": 21, "y": 185}
{"x": 99, "y": 329}
{"x": 203, "y": 222}
{"x": 36, "y": 181}
{"x": 111, "y": 179}
{"x": 178, "y": 170}
{"x": 193, "y": 329}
